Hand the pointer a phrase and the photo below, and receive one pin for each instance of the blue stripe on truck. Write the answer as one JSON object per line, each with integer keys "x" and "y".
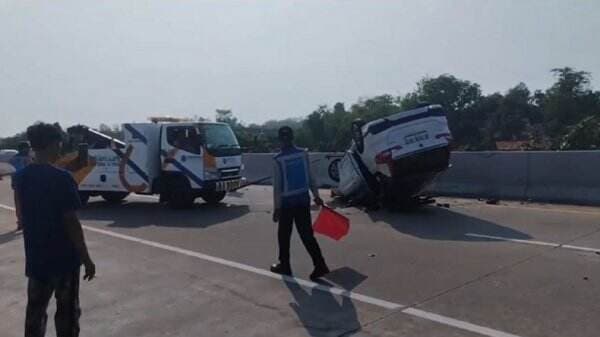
{"x": 183, "y": 169}
{"x": 136, "y": 134}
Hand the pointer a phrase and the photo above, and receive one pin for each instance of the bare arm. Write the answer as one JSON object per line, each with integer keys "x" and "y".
{"x": 75, "y": 233}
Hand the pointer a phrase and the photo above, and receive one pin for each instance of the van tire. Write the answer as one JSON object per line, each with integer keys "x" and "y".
{"x": 180, "y": 193}
{"x": 114, "y": 197}
{"x": 213, "y": 197}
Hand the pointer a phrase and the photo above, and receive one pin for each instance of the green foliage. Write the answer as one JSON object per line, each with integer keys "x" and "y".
{"x": 585, "y": 135}
{"x": 565, "y": 116}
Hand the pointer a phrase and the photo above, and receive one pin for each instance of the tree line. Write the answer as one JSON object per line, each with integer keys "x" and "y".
{"x": 565, "y": 116}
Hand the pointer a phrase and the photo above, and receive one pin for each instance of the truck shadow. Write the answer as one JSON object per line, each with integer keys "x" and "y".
{"x": 435, "y": 223}
{"x": 134, "y": 214}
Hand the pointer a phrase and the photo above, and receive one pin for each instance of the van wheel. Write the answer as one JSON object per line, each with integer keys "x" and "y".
{"x": 213, "y": 197}
{"x": 114, "y": 197}
{"x": 180, "y": 192}
{"x": 84, "y": 197}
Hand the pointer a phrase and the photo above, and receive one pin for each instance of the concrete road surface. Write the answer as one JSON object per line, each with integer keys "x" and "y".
{"x": 468, "y": 270}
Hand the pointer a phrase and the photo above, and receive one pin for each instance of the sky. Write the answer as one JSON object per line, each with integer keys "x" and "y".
{"x": 116, "y": 61}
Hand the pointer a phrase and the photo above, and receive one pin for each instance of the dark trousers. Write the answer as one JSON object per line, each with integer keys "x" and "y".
{"x": 66, "y": 291}
{"x": 301, "y": 216}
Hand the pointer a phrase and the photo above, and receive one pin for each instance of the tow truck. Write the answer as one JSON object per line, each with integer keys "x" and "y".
{"x": 177, "y": 159}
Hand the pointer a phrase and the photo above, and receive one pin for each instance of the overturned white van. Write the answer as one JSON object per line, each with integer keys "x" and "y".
{"x": 393, "y": 159}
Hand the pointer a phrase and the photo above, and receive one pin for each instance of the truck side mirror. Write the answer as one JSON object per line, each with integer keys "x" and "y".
{"x": 82, "y": 154}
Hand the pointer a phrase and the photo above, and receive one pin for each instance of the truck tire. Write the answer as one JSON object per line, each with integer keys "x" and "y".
{"x": 84, "y": 197}
{"x": 180, "y": 193}
{"x": 213, "y": 197}
{"x": 114, "y": 197}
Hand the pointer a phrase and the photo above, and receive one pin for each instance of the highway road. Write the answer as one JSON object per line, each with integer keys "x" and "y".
{"x": 469, "y": 269}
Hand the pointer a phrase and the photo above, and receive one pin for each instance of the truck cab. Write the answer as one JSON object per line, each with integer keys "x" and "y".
{"x": 207, "y": 155}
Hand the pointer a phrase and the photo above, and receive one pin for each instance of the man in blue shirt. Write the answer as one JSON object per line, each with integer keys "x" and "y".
{"x": 19, "y": 162}
{"x": 292, "y": 181}
{"x": 54, "y": 243}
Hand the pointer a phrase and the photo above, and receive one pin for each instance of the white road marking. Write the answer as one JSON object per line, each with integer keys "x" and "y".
{"x": 7, "y": 207}
{"x": 463, "y": 325}
{"x": 456, "y": 323}
{"x": 533, "y": 242}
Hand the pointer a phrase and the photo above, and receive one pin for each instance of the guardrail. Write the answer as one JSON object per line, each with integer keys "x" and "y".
{"x": 562, "y": 177}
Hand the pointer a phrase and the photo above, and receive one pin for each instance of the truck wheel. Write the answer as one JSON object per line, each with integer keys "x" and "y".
{"x": 114, "y": 197}
{"x": 181, "y": 195}
{"x": 214, "y": 197}
{"x": 84, "y": 197}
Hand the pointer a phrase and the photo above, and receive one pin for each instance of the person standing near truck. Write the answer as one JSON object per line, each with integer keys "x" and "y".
{"x": 292, "y": 181}
{"x": 54, "y": 243}
{"x": 19, "y": 162}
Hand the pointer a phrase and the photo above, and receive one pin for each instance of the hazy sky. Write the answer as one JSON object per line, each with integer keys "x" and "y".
{"x": 95, "y": 62}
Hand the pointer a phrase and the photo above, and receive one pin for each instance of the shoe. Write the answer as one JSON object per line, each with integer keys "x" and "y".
{"x": 282, "y": 269}
{"x": 319, "y": 272}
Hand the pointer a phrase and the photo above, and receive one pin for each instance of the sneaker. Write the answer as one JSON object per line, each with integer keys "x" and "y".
{"x": 319, "y": 272}
{"x": 282, "y": 269}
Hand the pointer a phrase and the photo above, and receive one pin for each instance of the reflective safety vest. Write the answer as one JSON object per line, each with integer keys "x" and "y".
{"x": 293, "y": 167}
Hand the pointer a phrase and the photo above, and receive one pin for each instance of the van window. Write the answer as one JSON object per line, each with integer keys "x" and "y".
{"x": 186, "y": 138}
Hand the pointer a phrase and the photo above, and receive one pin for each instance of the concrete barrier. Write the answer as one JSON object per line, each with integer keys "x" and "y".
{"x": 563, "y": 177}
{"x": 567, "y": 177}
{"x": 484, "y": 174}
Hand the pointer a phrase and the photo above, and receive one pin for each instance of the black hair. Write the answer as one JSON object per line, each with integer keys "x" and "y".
{"x": 286, "y": 133}
{"x": 42, "y": 135}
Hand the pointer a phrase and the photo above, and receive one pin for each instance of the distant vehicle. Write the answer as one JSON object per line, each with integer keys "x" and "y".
{"x": 393, "y": 159}
{"x": 5, "y": 167}
{"x": 178, "y": 160}
{"x": 6, "y": 155}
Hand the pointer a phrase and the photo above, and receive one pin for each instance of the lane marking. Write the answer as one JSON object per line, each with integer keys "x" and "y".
{"x": 244, "y": 267}
{"x": 525, "y": 207}
{"x": 456, "y": 323}
{"x": 7, "y": 207}
{"x": 462, "y": 325}
{"x": 533, "y": 242}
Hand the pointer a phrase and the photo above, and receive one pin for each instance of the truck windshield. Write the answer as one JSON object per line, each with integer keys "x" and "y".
{"x": 220, "y": 140}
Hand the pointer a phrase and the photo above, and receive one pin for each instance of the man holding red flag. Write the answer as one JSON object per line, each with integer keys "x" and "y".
{"x": 292, "y": 181}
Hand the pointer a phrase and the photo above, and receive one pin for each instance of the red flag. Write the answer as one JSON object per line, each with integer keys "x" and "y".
{"x": 331, "y": 224}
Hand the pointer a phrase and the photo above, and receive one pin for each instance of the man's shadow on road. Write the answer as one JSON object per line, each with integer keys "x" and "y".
{"x": 323, "y": 314}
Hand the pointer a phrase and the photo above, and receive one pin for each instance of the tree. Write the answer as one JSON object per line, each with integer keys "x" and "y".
{"x": 585, "y": 135}
{"x": 458, "y": 97}
{"x": 226, "y": 116}
{"x": 568, "y": 101}
{"x": 515, "y": 114}
{"x": 114, "y": 131}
